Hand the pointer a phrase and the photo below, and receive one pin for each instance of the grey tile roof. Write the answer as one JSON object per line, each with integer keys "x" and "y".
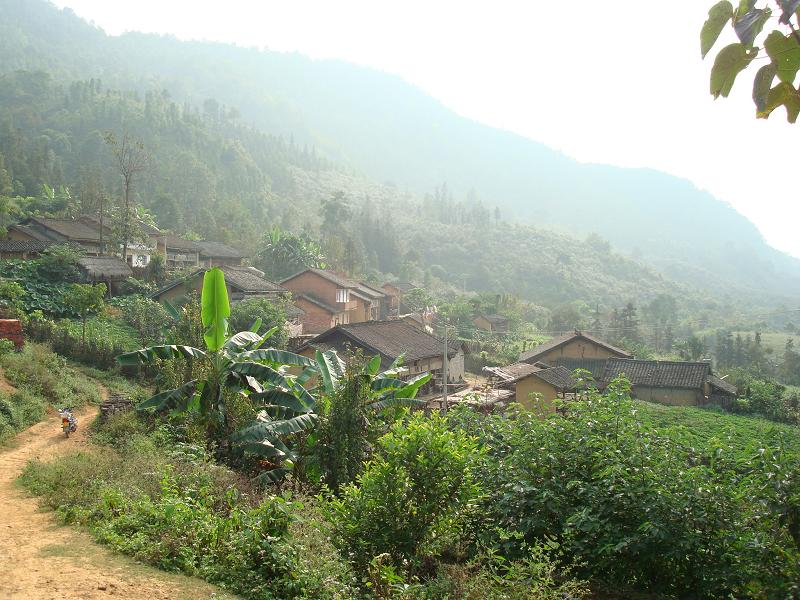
{"x": 595, "y": 366}
{"x": 68, "y": 228}
{"x": 218, "y": 250}
{"x": 342, "y": 282}
{"x": 25, "y": 245}
{"x": 559, "y": 377}
{"x": 388, "y": 338}
{"x": 722, "y": 385}
{"x": 249, "y": 280}
{"x": 654, "y": 373}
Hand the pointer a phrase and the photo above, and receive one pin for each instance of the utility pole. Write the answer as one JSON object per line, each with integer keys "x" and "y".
{"x": 444, "y": 372}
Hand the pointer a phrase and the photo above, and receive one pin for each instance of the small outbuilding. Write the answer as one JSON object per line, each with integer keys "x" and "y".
{"x": 110, "y": 270}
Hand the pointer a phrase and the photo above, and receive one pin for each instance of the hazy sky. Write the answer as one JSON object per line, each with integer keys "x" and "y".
{"x": 616, "y": 82}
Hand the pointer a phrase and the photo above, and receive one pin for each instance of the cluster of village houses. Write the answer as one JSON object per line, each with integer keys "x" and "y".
{"x": 330, "y": 310}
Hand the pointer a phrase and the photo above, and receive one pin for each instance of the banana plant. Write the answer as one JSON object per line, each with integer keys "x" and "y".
{"x": 266, "y": 437}
{"x": 236, "y": 363}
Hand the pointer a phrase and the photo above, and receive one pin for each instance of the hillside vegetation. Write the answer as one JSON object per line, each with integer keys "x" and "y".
{"x": 389, "y": 131}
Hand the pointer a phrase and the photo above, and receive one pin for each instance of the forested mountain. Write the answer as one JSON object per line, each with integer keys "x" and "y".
{"x": 255, "y": 132}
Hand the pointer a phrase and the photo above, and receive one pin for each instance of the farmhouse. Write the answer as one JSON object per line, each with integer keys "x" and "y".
{"x": 666, "y": 382}
{"x": 575, "y": 345}
{"x": 423, "y": 352}
{"x": 23, "y": 250}
{"x": 330, "y": 299}
{"x": 491, "y": 323}
{"x": 242, "y": 283}
{"x": 532, "y": 381}
{"x": 59, "y": 231}
{"x": 217, "y": 254}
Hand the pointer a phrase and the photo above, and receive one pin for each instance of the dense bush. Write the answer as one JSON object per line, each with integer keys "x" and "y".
{"x": 177, "y": 515}
{"x": 40, "y": 293}
{"x": 637, "y": 508}
{"x": 412, "y": 498}
{"x": 105, "y": 339}
{"x": 148, "y": 317}
{"x": 272, "y": 313}
{"x": 42, "y": 379}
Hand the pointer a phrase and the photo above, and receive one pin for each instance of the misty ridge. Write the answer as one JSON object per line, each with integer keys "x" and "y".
{"x": 266, "y": 137}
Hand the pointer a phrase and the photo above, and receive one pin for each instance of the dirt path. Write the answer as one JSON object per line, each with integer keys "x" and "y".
{"x": 41, "y": 560}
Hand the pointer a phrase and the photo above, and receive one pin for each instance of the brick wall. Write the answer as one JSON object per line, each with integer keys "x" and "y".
{"x": 316, "y": 319}
{"x": 313, "y": 285}
{"x": 11, "y": 329}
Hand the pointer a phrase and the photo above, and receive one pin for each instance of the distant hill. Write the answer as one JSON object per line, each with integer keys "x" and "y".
{"x": 378, "y": 127}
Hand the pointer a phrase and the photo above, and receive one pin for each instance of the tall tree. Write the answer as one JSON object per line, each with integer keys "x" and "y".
{"x": 132, "y": 159}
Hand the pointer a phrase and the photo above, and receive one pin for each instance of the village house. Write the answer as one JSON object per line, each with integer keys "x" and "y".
{"x": 217, "y": 254}
{"x": 242, "y": 283}
{"x": 423, "y": 352}
{"x": 22, "y": 250}
{"x": 536, "y": 385}
{"x": 394, "y": 296}
{"x": 329, "y": 299}
{"x": 59, "y": 231}
{"x": 491, "y": 323}
{"x": 574, "y": 345}
{"x": 675, "y": 383}
{"x": 178, "y": 253}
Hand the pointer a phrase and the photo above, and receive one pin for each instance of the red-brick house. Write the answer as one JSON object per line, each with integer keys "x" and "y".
{"x": 329, "y": 299}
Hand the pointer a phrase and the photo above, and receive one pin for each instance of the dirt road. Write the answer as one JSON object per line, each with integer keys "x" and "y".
{"x": 41, "y": 560}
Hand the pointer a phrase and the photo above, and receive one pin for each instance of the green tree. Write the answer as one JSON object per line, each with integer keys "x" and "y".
{"x": 85, "y": 299}
{"x": 131, "y": 160}
{"x": 781, "y": 45}
{"x": 271, "y": 313}
{"x": 282, "y": 254}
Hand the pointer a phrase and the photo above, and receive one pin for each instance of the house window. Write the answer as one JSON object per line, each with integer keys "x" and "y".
{"x": 342, "y": 295}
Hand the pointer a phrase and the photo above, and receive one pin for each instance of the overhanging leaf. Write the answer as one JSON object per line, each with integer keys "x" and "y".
{"x": 330, "y": 368}
{"x": 275, "y": 397}
{"x": 265, "y": 428}
{"x": 789, "y": 7}
{"x": 215, "y": 309}
{"x": 730, "y": 61}
{"x": 718, "y": 17}
{"x": 374, "y": 365}
{"x": 782, "y": 94}
{"x": 785, "y": 53}
{"x": 148, "y": 355}
{"x": 171, "y": 399}
{"x": 762, "y": 84}
{"x": 283, "y": 357}
{"x": 749, "y": 25}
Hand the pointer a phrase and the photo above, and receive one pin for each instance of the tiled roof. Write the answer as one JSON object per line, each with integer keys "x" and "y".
{"x": 722, "y": 385}
{"x": 388, "y": 338}
{"x": 514, "y": 372}
{"x": 559, "y": 377}
{"x": 30, "y": 232}
{"x": 173, "y": 241}
{"x": 495, "y": 319}
{"x": 249, "y": 280}
{"x": 218, "y": 250}
{"x": 342, "y": 282}
{"x": 654, "y": 373}
{"x": 24, "y": 245}
{"x": 536, "y": 352}
{"x": 595, "y": 366}
{"x": 376, "y": 291}
{"x": 73, "y": 230}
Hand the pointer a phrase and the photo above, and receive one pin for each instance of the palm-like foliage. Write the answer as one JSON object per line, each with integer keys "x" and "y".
{"x": 241, "y": 365}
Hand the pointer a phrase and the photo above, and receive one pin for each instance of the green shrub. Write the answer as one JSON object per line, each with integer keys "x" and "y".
{"x": 41, "y": 372}
{"x": 148, "y": 317}
{"x": 271, "y": 312}
{"x": 637, "y": 508}
{"x": 412, "y": 499}
{"x": 18, "y": 411}
{"x": 177, "y": 516}
{"x": 6, "y": 347}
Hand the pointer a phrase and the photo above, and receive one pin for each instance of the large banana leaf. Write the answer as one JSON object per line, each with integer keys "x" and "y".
{"x": 148, "y": 355}
{"x": 273, "y": 476}
{"x": 215, "y": 309}
{"x": 265, "y": 428}
{"x": 269, "y": 449}
{"x": 331, "y": 369}
{"x": 282, "y": 357}
{"x": 178, "y": 398}
{"x": 280, "y": 398}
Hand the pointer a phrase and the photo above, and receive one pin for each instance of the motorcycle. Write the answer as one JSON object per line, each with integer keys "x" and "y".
{"x": 69, "y": 422}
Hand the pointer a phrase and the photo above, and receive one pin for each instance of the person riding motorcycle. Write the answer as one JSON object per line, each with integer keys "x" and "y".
{"x": 69, "y": 422}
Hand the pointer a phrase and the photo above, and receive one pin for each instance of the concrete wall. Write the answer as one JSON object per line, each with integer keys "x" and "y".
{"x": 534, "y": 385}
